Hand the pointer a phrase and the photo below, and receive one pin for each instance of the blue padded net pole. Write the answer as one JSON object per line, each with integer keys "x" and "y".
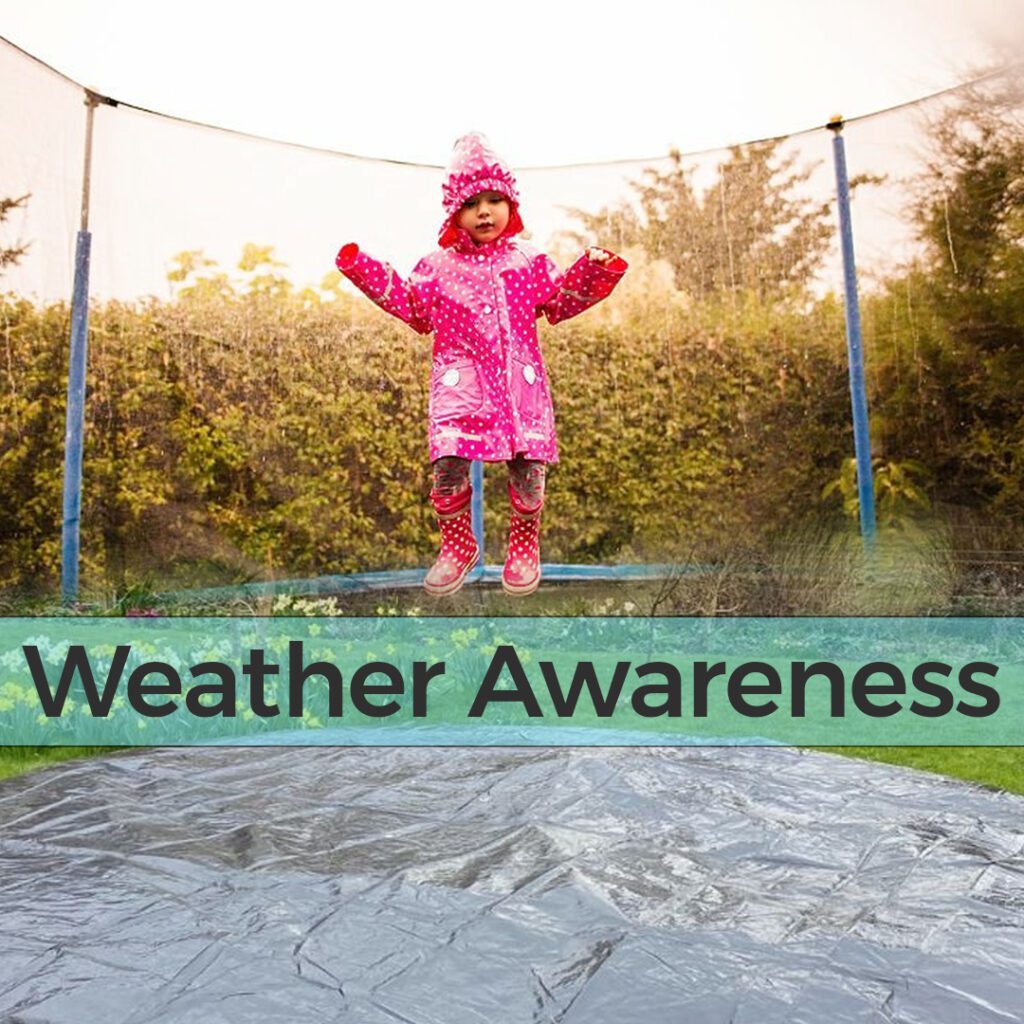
{"x": 854, "y": 347}
{"x": 77, "y": 359}
{"x": 476, "y": 478}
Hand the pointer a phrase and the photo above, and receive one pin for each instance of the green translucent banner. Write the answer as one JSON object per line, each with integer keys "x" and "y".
{"x": 517, "y": 681}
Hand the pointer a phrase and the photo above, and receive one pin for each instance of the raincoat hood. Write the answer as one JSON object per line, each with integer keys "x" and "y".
{"x": 475, "y": 167}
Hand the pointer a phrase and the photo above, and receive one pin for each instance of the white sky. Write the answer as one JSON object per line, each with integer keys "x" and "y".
{"x": 549, "y": 81}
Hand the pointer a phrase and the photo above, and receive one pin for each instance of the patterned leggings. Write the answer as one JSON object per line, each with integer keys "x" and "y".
{"x": 525, "y": 476}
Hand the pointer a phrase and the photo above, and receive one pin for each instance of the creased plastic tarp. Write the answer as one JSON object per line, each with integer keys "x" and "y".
{"x": 749, "y": 886}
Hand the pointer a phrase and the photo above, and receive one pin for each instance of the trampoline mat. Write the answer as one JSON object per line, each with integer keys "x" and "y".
{"x": 455, "y": 886}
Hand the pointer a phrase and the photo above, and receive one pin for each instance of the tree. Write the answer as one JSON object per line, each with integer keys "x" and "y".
{"x": 10, "y": 257}
{"x": 950, "y": 346}
{"x": 748, "y": 231}
{"x": 970, "y": 213}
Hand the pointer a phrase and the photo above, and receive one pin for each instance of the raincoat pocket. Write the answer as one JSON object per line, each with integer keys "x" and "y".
{"x": 455, "y": 391}
{"x": 529, "y": 392}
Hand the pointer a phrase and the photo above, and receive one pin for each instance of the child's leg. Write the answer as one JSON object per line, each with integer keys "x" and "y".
{"x": 451, "y": 496}
{"x": 526, "y": 483}
{"x": 521, "y": 574}
{"x": 451, "y": 481}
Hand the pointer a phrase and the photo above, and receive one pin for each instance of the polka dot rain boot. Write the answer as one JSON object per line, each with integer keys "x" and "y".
{"x": 459, "y": 550}
{"x": 521, "y": 574}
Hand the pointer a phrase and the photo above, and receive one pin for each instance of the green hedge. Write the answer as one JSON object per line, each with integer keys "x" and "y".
{"x": 250, "y": 433}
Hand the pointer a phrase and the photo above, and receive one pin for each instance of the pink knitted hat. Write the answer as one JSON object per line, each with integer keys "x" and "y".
{"x": 475, "y": 167}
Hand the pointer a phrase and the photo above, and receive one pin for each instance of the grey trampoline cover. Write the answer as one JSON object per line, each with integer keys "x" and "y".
{"x": 455, "y": 886}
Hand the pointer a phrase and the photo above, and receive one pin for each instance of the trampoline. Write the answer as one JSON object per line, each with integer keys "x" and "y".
{"x": 313, "y": 509}
{"x": 436, "y": 885}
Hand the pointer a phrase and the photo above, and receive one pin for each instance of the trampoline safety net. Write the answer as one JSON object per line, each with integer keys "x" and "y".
{"x": 250, "y": 417}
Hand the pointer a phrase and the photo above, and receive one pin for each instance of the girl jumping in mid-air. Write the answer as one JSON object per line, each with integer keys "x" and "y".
{"x": 480, "y": 295}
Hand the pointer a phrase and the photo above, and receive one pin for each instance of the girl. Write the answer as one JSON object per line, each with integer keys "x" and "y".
{"x": 480, "y": 295}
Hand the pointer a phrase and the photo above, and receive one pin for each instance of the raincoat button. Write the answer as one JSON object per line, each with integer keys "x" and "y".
{"x": 451, "y": 378}
{"x": 530, "y": 374}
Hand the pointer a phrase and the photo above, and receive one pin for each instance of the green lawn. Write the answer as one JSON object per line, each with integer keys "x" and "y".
{"x": 18, "y": 760}
{"x": 997, "y": 767}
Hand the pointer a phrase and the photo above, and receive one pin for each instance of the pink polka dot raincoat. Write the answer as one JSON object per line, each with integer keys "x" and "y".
{"x": 489, "y": 393}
